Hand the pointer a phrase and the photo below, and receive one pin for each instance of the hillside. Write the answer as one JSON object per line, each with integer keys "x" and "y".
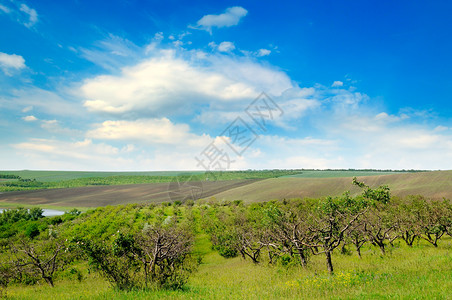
{"x": 437, "y": 184}
{"x": 94, "y": 196}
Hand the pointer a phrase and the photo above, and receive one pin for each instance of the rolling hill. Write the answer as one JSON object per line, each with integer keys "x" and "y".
{"x": 437, "y": 184}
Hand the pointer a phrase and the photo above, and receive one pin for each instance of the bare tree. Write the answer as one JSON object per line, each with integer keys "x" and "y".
{"x": 164, "y": 250}
{"x": 329, "y": 224}
{"x": 356, "y": 236}
{"x": 40, "y": 258}
{"x": 431, "y": 215}
{"x": 380, "y": 228}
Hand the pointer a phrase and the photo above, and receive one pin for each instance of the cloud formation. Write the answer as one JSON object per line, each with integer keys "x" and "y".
{"x": 4, "y": 9}
{"x": 149, "y": 131}
{"x": 31, "y": 13}
{"x": 30, "y": 118}
{"x": 226, "y": 47}
{"x": 230, "y": 17}
{"x": 171, "y": 84}
{"x": 11, "y": 62}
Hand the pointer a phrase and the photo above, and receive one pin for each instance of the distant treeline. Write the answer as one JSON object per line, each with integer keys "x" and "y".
{"x": 366, "y": 170}
{"x": 9, "y": 176}
{"x": 30, "y": 184}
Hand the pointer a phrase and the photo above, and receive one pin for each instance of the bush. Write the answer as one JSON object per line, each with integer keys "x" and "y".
{"x": 32, "y": 230}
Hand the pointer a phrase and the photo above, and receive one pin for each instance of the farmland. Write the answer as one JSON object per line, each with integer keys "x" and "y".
{"x": 400, "y": 272}
{"x": 234, "y": 236}
{"x": 246, "y": 186}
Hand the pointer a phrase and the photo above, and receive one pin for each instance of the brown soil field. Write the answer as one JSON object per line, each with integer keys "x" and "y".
{"x": 93, "y": 196}
{"x": 435, "y": 185}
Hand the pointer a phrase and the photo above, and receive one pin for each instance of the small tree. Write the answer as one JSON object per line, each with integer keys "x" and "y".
{"x": 114, "y": 260}
{"x": 379, "y": 227}
{"x": 432, "y": 220}
{"x": 356, "y": 236}
{"x": 288, "y": 232}
{"x": 6, "y": 274}
{"x": 40, "y": 259}
{"x": 404, "y": 215}
{"x": 329, "y": 223}
{"x": 164, "y": 253}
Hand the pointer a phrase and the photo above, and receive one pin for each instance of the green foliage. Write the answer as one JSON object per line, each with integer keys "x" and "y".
{"x": 118, "y": 241}
{"x": 380, "y": 194}
{"x": 117, "y": 267}
{"x": 32, "y": 230}
{"x": 93, "y": 178}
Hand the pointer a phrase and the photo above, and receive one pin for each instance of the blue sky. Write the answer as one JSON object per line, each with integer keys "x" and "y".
{"x": 158, "y": 85}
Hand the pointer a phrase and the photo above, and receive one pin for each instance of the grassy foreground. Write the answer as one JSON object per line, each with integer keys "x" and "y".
{"x": 420, "y": 272}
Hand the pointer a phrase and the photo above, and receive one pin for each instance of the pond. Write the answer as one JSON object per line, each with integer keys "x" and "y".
{"x": 47, "y": 212}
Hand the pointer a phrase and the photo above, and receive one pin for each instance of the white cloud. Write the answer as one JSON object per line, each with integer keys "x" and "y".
{"x": 115, "y": 52}
{"x": 31, "y": 13}
{"x": 150, "y": 131}
{"x": 20, "y": 13}
{"x": 48, "y": 154}
{"x": 440, "y": 128}
{"x": 43, "y": 101}
{"x": 5, "y": 9}
{"x": 169, "y": 84}
{"x": 9, "y": 62}
{"x": 54, "y": 126}
{"x": 263, "y": 52}
{"x": 230, "y": 17}
{"x": 337, "y": 84}
{"x": 30, "y": 118}
{"x": 226, "y": 47}
{"x": 87, "y": 154}
{"x": 383, "y": 116}
{"x": 156, "y": 40}
{"x": 27, "y": 109}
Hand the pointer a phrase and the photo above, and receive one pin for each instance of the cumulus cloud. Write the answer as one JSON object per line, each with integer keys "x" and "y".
{"x": 171, "y": 84}
{"x": 263, "y": 52}
{"x": 226, "y": 47}
{"x": 30, "y": 118}
{"x": 11, "y": 62}
{"x": 150, "y": 131}
{"x": 337, "y": 84}
{"x": 230, "y": 17}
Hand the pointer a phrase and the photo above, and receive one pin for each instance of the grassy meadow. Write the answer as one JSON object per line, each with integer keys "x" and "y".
{"x": 35, "y": 180}
{"x": 420, "y": 272}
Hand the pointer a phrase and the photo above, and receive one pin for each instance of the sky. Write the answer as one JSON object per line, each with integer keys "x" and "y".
{"x": 126, "y": 85}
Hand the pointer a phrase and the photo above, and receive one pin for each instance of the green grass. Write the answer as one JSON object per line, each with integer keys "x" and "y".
{"x": 421, "y": 272}
{"x": 339, "y": 173}
{"x": 50, "y": 176}
{"x": 6, "y": 205}
{"x": 53, "y": 176}
{"x": 34, "y": 180}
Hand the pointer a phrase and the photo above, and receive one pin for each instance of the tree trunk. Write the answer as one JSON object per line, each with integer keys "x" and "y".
{"x": 329, "y": 263}
{"x": 49, "y": 281}
{"x": 303, "y": 259}
{"x": 358, "y": 250}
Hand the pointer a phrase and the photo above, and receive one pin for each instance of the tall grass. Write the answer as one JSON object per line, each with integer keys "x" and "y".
{"x": 420, "y": 272}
